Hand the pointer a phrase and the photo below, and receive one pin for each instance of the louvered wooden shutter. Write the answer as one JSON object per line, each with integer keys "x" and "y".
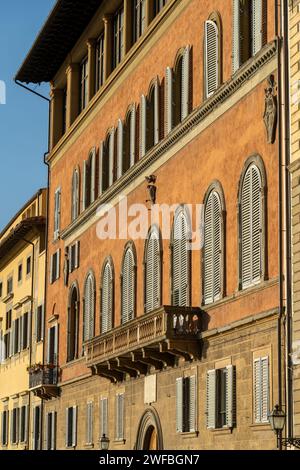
{"x": 89, "y": 302}
{"x": 258, "y": 25}
{"x": 213, "y": 249}
{"x": 77, "y": 254}
{"x": 169, "y": 100}
{"x": 261, "y": 390}
{"x": 111, "y": 157}
{"x": 211, "y": 399}
{"x": 93, "y": 176}
{"x": 152, "y": 273}
{"x": 230, "y": 396}
{"x": 57, "y": 209}
{"x": 74, "y": 427}
{"x": 211, "y": 57}
{"x": 192, "y": 403}
{"x": 179, "y": 404}
{"x": 120, "y": 149}
{"x": 84, "y": 185}
{"x": 89, "y": 423}
{"x": 185, "y": 84}
{"x": 251, "y": 232}
{"x": 1, "y": 347}
{"x": 132, "y": 136}
{"x": 101, "y": 169}
{"x": 107, "y": 300}
{"x": 156, "y": 113}
{"x": 120, "y": 417}
{"x": 180, "y": 262}
{"x": 128, "y": 287}
{"x": 236, "y": 39}
{"x": 68, "y": 428}
{"x": 143, "y": 126}
{"x": 104, "y": 417}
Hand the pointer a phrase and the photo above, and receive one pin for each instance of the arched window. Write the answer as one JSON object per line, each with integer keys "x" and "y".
{"x": 181, "y": 260}
{"x": 152, "y": 260}
{"x": 73, "y": 323}
{"x": 129, "y": 145}
{"x": 249, "y": 29}
{"x": 128, "y": 285}
{"x": 89, "y": 308}
{"x": 89, "y": 180}
{"x": 213, "y": 250}
{"x": 212, "y": 55}
{"x": 75, "y": 194}
{"x": 107, "y": 297}
{"x": 149, "y": 119}
{"x": 252, "y": 232}
{"x": 178, "y": 90}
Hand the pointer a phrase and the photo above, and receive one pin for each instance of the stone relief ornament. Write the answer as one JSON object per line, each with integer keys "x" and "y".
{"x": 151, "y": 180}
{"x": 270, "y": 114}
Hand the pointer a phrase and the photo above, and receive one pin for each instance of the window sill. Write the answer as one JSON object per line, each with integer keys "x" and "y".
{"x": 73, "y": 363}
{"x": 222, "y": 431}
{"x": 119, "y": 442}
{"x": 89, "y": 446}
{"x": 260, "y": 426}
{"x": 189, "y": 435}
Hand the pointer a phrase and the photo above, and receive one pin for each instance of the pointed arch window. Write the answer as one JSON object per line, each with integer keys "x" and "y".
{"x": 89, "y": 308}
{"x": 73, "y": 324}
{"x": 181, "y": 260}
{"x": 75, "y": 194}
{"x": 152, "y": 271}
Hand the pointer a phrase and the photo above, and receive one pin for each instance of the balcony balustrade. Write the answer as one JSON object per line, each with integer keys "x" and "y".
{"x": 43, "y": 381}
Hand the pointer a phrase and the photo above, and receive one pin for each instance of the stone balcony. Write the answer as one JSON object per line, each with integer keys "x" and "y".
{"x": 43, "y": 381}
{"x": 156, "y": 340}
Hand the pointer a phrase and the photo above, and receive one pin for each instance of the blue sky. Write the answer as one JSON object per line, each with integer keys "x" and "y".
{"x": 24, "y": 118}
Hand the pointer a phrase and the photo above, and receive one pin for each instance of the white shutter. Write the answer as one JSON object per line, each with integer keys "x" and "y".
{"x": 257, "y": 25}
{"x": 251, "y": 231}
{"x": 152, "y": 273}
{"x": 77, "y": 251}
{"x": 57, "y": 264}
{"x": 84, "y": 185}
{"x": 211, "y": 399}
{"x": 143, "y": 126}
{"x": 192, "y": 403}
{"x": 185, "y": 85}
{"x": 211, "y": 45}
{"x": 179, "y": 404}
{"x": 57, "y": 208}
{"x": 120, "y": 416}
{"x": 128, "y": 287}
{"x": 74, "y": 427}
{"x": 104, "y": 417}
{"x": 169, "y": 101}
{"x": 107, "y": 300}
{"x": 236, "y": 39}
{"x": 132, "y": 136}
{"x": 156, "y": 113}
{"x": 230, "y": 396}
{"x": 93, "y": 175}
{"x": 261, "y": 390}
{"x": 111, "y": 157}
{"x": 89, "y": 306}
{"x": 120, "y": 148}
{"x": 101, "y": 169}
{"x": 180, "y": 261}
{"x": 212, "y": 249}
{"x": 53, "y": 431}
{"x": 75, "y": 195}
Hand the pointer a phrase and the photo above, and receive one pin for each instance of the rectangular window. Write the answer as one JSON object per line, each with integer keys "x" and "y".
{"x": 14, "y": 426}
{"x": 64, "y": 112}
{"x": 16, "y": 336}
{"x": 118, "y": 51}
{"x": 89, "y": 423}
{"x": 10, "y": 285}
{"x": 261, "y": 382}
{"x": 39, "y": 323}
{"x": 20, "y": 272}
{"x": 23, "y": 423}
{"x": 4, "y": 428}
{"x": 186, "y": 404}
{"x": 55, "y": 267}
{"x": 74, "y": 256}
{"x": 8, "y": 319}
{"x": 51, "y": 431}
{"x": 71, "y": 426}
{"x": 25, "y": 326}
{"x": 7, "y": 345}
{"x": 139, "y": 18}
{"x": 104, "y": 417}
{"x": 84, "y": 89}
{"x": 57, "y": 206}
{"x": 28, "y": 266}
{"x": 220, "y": 398}
{"x": 36, "y": 434}
{"x": 120, "y": 417}
{"x": 100, "y": 62}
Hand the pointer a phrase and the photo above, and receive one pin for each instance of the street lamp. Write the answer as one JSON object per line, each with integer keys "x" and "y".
{"x": 277, "y": 421}
{"x": 104, "y": 442}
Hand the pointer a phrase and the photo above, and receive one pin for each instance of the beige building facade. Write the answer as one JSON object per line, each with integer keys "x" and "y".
{"x": 22, "y": 300}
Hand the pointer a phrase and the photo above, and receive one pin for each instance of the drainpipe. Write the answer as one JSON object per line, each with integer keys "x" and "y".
{"x": 46, "y": 240}
{"x": 284, "y": 320}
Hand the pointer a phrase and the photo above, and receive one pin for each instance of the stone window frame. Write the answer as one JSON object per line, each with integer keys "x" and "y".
{"x": 217, "y": 187}
{"x": 258, "y": 161}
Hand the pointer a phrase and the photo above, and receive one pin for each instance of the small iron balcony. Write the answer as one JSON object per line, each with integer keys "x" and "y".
{"x": 43, "y": 381}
